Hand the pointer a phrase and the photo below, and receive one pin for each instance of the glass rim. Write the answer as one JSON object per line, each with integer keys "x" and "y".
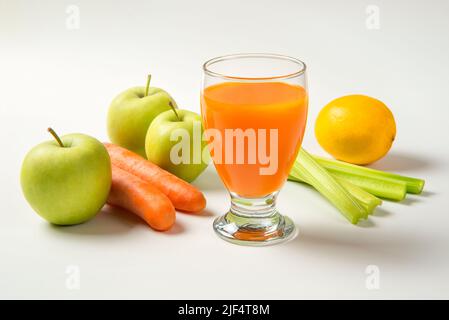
{"x": 301, "y": 70}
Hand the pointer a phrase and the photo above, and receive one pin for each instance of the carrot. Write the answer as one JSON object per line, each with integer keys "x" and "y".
{"x": 183, "y": 195}
{"x": 140, "y": 197}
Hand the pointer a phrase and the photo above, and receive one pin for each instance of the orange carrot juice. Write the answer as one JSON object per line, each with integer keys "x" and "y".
{"x": 256, "y": 106}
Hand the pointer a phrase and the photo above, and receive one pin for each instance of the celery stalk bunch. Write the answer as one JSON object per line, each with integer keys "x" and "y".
{"x": 354, "y": 190}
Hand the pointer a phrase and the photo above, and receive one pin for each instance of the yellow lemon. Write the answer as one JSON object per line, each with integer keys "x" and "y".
{"x": 356, "y": 129}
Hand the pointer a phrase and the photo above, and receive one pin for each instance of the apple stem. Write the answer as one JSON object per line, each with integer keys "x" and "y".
{"x": 53, "y": 133}
{"x": 174, "y": 110}
{"x": 148, "y": 85}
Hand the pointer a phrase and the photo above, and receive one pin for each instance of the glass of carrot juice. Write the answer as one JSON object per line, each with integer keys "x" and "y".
{"x": 254, "y": 110}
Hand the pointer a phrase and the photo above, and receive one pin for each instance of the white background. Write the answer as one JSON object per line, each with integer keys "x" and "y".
{"x": 52, "y": 75}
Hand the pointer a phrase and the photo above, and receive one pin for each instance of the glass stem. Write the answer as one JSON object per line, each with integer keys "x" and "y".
{"x": 263, "y": 207}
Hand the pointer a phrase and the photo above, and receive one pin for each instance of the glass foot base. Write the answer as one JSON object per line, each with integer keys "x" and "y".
{"x": 257, "y": 231}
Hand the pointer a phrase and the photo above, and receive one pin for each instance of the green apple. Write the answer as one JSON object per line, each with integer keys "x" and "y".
{"x": 67, "y": 180}
{"x": 174, "y": 142}
{"x": 132, "y": 112}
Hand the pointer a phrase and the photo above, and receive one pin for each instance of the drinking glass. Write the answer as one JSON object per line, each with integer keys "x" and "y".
{"x": 254, "y": 110}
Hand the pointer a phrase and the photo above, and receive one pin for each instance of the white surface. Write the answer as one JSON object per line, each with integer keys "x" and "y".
{"x": 50, "y": 75}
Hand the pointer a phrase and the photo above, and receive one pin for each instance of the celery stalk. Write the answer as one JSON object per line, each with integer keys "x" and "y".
{"x": 413, "y": 185}
{"x": 307, "y": 169}
{"x": 366, "y": 199}
{"x": 392, "y": 190}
